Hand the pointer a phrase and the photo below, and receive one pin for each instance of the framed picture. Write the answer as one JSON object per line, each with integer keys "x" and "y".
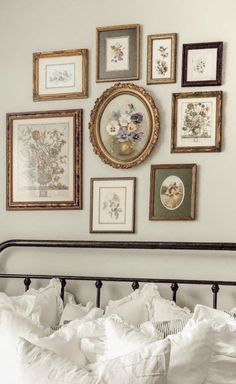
{"x": 202, "y": 64}
{"x": 112, "y": 204}
{"x": 172, "y": 192}
{"x": 196, "y": 122}
{"x": 44, "y": 157}
{"x": 161, "y": 58}
{"x": 124, "y": 125}
{"x": 118, "y": 53}
{"x": 60, "y": 75}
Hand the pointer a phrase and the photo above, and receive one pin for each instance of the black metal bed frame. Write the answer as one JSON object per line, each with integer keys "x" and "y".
{"x": 174, "y": 283}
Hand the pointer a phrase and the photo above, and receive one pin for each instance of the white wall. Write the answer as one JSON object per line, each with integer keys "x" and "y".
{"x": 27, "y": 26}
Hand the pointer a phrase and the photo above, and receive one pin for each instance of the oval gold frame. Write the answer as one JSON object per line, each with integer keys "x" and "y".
{"x": 97, "y": 112}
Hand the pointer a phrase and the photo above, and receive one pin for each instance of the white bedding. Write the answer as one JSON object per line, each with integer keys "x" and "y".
{"x": 94, "y": 348}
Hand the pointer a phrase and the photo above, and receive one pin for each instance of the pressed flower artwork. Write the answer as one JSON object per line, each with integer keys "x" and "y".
{"x": 112, "y": 204}
{"x": 161, "y": 58}
{"x": 196, "y": 122}
{"x": 43, "y": 160}
{"x": 118, "y": 53}
{"x": 124, "y": 125}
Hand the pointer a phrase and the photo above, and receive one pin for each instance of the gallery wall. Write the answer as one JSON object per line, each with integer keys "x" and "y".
{"x": 28, "y": 26}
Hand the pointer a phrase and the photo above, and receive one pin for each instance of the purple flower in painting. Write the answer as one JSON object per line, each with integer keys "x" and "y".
{"x": 137, "y": 118}
{"x": 136, "y": 135}
{"x": 122, "y": 135}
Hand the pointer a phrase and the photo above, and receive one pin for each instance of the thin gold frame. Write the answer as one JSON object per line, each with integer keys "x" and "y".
{"x": 99, "y": 30}
{"x": 172, "y": 77}
{"x": 192, "y": 210}
{"x": 218, "y": 95}
{"x": 64, "y": 95}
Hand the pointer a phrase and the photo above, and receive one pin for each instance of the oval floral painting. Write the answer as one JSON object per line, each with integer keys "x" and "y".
{"x": 172, "y": 192}
{"x": 126, "y": 126}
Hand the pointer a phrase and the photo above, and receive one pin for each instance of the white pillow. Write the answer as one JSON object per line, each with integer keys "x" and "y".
{"x": 190, "y": 353}
{"x": 133, "y": 308}
{"x": 78, "y": 311}
{"x": 48, "y": 303}
{"x": 205, "y": 351}
{"x": 147, "y": 365}
{"x": 40, "y": 366}
{"x": 161, "y": 309}
{"x": 13, "y": 326}
{"x": 121, "y": 338}
{"x": 65, "y": 342}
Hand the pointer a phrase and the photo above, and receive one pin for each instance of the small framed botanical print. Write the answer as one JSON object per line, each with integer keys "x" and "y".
{"x": 60, "y": 75}
{"x": 172, "y": 192}
{"x": 112, "y": 204}
{"x": 44, "y": 158}
{"x": 196, "y": 122}
{"x": 161, "y": 58}
{"x": 202, "y": 64}
{"x": 118, "y": 53}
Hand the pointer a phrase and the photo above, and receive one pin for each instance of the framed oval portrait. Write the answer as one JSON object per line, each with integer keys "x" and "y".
{"x": 124, "y": 125}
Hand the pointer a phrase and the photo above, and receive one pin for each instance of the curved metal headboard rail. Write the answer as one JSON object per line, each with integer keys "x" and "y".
{"x": 215, "y": 284}
{"x": 207, "y": 246}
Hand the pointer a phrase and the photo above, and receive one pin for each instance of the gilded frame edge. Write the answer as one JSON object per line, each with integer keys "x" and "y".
{"x": 172, "y": 78}
{"x": 218, "y": 126}
{"x": 77, "y": 202}
{"x": 60, "y": 96}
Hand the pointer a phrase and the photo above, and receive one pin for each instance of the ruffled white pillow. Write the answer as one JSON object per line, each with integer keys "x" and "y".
{"x": 147, "y": 365}
{"x": 122, "y": 338}
{"x": 13, "y": 326}
{"x": 79, "y": 311}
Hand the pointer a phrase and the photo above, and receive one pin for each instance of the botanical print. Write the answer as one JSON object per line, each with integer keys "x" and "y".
{"x": 202, "y": 64}
{"x": 60, "y": 75}
{"x": 172, "y": 192}
{"x": 117, "y": 53}
{"x": 161, "y": 53}
{"x": 196, "y": 120}
{"x": 112, "y": 205}
{"x": 43, "y": 158}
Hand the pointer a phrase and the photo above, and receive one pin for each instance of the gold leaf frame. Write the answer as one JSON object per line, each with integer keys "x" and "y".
{"x": 83, "y": 93}
{"x": 96, "y": 115}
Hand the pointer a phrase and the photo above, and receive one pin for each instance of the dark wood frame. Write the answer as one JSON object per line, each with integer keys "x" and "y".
{"x": 132, "y": 229}
{"x": 158, "y": 245}
{"x": 191, "y": 215}
{"x": 218, "y": 122}
{"x": 76, "y": 203}
{"x": 64, "y": 95}
{"x": 186, "y": 47}
{"x": 111, "y": 29}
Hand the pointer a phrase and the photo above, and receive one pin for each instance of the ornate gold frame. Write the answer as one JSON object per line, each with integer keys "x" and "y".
{"x": 64, "y": 95}
{"x": 96, "y": 115}
{"x": 13, "y": 122}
